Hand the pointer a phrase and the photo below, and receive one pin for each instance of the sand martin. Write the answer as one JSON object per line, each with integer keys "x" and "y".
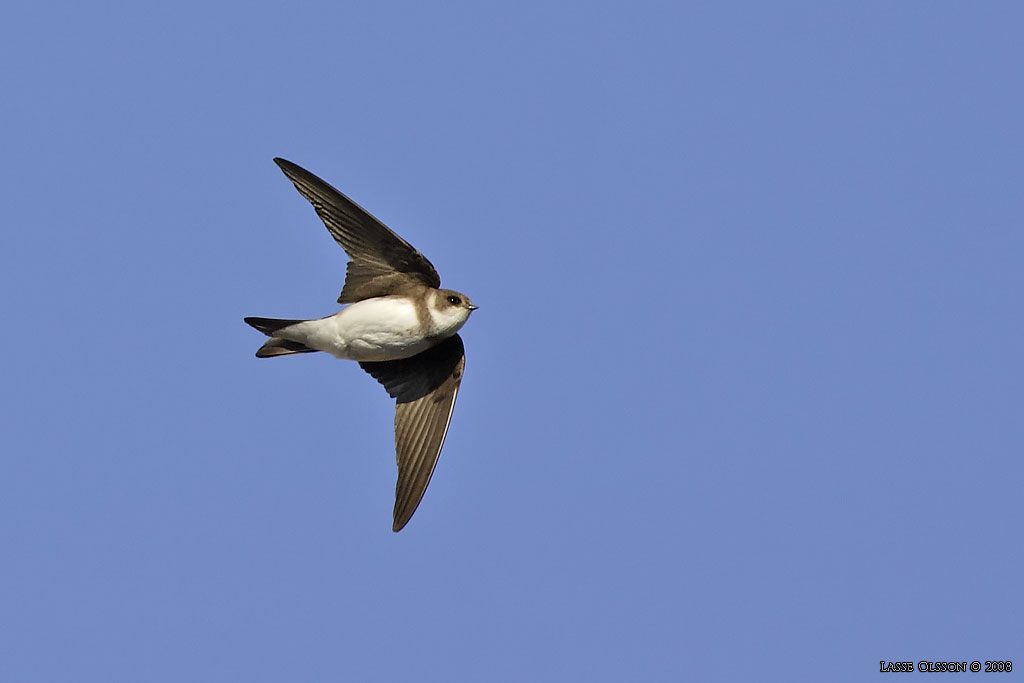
{"x": 398, "y": 324}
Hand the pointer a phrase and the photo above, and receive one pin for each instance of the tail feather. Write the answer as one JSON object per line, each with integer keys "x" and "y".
{"x": 276, "y": 346}
{"x": 269, "y": 326}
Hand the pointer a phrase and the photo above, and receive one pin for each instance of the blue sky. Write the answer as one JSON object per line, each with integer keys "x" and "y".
{"x": 743, "y": 396}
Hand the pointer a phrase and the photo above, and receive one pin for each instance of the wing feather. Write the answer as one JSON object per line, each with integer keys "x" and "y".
{"x": 425, "y": 388}
{"x": 382, "y": 262}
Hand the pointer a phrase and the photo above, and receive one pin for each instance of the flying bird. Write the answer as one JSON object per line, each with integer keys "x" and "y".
{"x": 398, "y": 325}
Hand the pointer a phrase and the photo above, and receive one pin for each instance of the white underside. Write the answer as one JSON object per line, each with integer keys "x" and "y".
{"x": 384, "y": 328}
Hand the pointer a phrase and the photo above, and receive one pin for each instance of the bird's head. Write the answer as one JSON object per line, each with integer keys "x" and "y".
{"x": 450, "y": 310}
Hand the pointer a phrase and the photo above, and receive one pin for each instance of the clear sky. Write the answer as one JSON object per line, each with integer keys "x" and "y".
{"x": 743, "y": 399}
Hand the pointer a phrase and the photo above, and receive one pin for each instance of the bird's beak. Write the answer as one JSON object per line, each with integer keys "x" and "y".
{"x": 473, "y": 307}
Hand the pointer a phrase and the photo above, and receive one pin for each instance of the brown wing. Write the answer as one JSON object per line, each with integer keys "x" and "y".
{"x": 382, "y": 262}
{"x": 424, "y": 387}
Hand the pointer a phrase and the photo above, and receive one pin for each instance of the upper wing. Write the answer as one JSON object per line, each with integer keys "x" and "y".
{"x": 424, "y": 387}
{"x": 382, "y": 262}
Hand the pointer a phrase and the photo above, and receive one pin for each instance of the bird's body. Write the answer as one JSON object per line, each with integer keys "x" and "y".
{"x": 379, "y": 329}
{"x": 398, "y": 324}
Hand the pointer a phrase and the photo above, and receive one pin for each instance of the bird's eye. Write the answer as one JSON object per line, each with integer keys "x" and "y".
{"x": 454, "y": 300}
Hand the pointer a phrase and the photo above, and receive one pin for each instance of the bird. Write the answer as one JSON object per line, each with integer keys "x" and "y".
{"x": 397, "y": 323}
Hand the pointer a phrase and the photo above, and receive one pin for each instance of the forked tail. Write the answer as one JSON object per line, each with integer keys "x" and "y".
{"x": 276, "y": 346}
